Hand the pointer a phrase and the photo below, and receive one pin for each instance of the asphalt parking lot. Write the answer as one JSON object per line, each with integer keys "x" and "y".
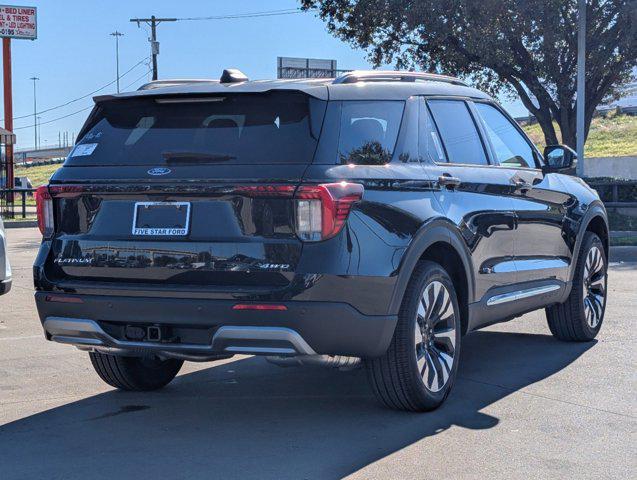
{"x": 524, "y": 406}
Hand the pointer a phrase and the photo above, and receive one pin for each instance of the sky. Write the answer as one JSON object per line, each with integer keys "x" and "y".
{"x": 75, "y": 55}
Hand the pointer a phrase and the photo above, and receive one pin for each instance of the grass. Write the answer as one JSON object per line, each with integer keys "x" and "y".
{"x": 18, "y": 218}
{"x": 38, "y": 175}
{"x": 611, "y": 136}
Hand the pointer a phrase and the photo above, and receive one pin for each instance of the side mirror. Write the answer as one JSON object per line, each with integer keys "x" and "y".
{"x": 559, "y": 158}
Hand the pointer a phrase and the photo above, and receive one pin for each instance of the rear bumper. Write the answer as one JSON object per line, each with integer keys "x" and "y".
{"x": 209, "y": 328}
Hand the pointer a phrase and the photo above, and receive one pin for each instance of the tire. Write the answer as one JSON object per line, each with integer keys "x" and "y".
{"x": 414, "y": 374}
{"x": 135, "y": 373}
{"x": 580, "y": 317}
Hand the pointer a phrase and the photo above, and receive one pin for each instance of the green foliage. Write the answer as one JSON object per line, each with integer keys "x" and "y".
{"x": 526, "y": 47}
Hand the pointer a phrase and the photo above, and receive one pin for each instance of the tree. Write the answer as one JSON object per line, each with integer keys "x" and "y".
{"x": 523, "y": 47}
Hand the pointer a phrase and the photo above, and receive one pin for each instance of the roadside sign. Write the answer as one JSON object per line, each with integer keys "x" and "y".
{"x": 292, "y": 67}
{"x": 18, "y": 22}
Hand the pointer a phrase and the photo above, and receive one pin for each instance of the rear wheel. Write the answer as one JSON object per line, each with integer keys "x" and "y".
{"x": 135, "y": 373}
{"x": 580, "y": 318}
{"x": 419, "y": 368}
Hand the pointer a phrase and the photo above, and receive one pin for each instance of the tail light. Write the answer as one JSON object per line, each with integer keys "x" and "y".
{"x": 321, "y": 210}
{"x": 44, "y": 207}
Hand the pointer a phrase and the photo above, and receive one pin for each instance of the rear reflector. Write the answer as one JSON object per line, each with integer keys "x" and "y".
{"x": 258, "y": 306}
{"x": 322, "y": 210}
{"x": 266, "y": 190}
{"x": 62, "y": 299}
{"x": 44, "y": 208}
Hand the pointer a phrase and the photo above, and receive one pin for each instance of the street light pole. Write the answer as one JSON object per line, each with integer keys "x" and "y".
{"x": 39, "y": 137}
{"x": 117, "y": 34}
{"x": 581, "y": 84}
{"x": 35, "y": 113}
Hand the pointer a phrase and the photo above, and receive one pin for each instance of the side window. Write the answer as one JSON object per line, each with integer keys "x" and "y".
{"x": 430, "y": 143}
{"x": 368, "y": 131}
{"x": 458, "y": 130}
{"x": 511, "y": 149}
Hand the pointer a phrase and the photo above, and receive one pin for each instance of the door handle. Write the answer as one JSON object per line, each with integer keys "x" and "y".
{"x": 446, "y": 180}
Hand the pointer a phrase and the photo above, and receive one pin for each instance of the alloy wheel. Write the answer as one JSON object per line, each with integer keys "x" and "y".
{"x": 435, "y": 336}
{"x": 594, "y": 287}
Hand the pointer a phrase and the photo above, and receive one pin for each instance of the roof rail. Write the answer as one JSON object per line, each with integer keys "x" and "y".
{"x": 173, "y": 82}
{"x": 395, "y": 76}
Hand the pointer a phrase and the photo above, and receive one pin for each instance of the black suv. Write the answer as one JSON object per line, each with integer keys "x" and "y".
{"x": 380, "y": 215}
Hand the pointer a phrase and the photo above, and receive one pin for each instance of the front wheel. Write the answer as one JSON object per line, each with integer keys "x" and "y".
{"x": 580, "y": 318}
{"x": 135, "y": 373}
{"x": 419, "y": 368}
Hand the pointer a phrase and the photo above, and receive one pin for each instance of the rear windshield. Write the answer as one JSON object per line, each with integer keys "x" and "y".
{"x": 277, "y": 127}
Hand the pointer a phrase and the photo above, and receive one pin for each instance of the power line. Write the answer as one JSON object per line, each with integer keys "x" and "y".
{"x": 84, "y": 96}
{"x": 269, "y": 13}
{"x": 55, "y": 119}
{"x": 81, "y": 110}
{"x": 154, "y": 21}
{"x": 138, "y": 78}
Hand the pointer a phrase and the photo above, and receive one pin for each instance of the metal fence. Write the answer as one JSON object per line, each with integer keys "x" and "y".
{"x": 17, "y": 203}
{"x": 620, "y": 199}
{"x": 616, "y": 193}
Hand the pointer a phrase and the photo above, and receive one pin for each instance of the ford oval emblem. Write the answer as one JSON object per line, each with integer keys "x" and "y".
{"x": 159, "y": 171}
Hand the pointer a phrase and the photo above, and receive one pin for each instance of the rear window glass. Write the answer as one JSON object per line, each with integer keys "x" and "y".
{"x": 278, "y": 127}
{"x": 368, "y": 131}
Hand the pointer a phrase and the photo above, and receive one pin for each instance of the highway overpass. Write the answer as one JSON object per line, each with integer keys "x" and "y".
{"x": 21, "y": 156}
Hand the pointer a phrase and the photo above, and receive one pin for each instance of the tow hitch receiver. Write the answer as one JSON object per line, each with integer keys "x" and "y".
{"x": 150, "y": 334}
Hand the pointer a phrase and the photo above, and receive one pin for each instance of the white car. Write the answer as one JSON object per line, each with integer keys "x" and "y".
{"x": 5, "y": 268}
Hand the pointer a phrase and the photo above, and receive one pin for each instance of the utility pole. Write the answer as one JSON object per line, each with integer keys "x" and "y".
{"x": 581, "y": 84}
{"x": 117, "y": 34}
{"x": 35, "y": 113}
{"x": 8, "y": 111}
{"x": 154, "y": 44}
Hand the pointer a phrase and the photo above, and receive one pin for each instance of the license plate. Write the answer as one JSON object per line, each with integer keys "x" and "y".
{"x": 166, "y": 219}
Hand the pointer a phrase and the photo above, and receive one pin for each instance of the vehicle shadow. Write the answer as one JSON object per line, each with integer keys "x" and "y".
{"x": 250, "y": 419}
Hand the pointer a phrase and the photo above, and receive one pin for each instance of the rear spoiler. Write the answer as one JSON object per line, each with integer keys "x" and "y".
{"x": 214, "y": 87}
